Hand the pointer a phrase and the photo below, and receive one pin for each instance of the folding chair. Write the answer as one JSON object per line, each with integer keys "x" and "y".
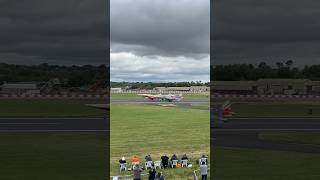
{"x": 203, "y": 160}
{"x": 148, "y": 164}
{"x": 174, "y": 163}
{"x": 157, "y": 164}
{"x": 123, "y": 166}
{"x": 184, "y": 163}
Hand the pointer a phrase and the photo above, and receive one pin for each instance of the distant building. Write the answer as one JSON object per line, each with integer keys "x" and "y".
{"x": 183, "y": 89}
{"x": 19, "y": 88}
{"x": 116, "y": 90}
{"x": 268, "y": 87}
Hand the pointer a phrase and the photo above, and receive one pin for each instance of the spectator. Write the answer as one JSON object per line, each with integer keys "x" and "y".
{"x": 152, "y": 174}
{"x": 122, "y": 160}
{"x": 174, "y": 157}
{"x": 184, "y": 157}
{"x": 165, "y": 161}
{"x": 148, "y": 158}
{"x": 137, "y": 172}
{"x": 135, "y": 160}
{"x": 204, "y": 171}
{"x": 159, "y": 176}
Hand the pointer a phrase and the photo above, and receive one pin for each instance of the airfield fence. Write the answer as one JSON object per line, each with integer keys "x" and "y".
{"x": 161, "y": 92}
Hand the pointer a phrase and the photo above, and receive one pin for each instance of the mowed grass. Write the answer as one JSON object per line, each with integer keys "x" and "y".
{"x": 53, "y": 156}
{"x": 48, "y": 107}
{"x": 144, "y": 129}
{"x": 135, "y": 96}
{"x": 253, "y": 164}
{"x": 292, "y": 137}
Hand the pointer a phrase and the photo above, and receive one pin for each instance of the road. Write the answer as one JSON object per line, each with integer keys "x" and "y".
{"x": 39, "y": 124}
{"x": 243, "y": 132}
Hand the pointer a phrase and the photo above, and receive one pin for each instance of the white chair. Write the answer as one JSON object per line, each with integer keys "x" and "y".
{"x": 157, "y": 164}
{"x": 174, "y": 163}
{"x": 184, "y": 163}
{"x": 123, "y": 166}
{"x": 203, "y": 160}
{"x": 148, "y": 164}
{"x": 115, "y": 177}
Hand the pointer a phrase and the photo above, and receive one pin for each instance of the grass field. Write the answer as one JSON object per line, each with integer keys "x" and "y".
{"x": 275, "y": 109}
{"x": 135, "y": 96}
{"x": 292, "y": 137}
{"x": 253, "y": 164}
{"x": 48, "y": 107}
{"x": 144, "y": 129}
{"x": 53, "y": 156}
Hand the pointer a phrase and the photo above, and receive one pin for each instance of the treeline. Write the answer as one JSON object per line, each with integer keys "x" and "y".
{"x": 237, "y": 72}
{"x": 151, "y": 85}
{"x": 71, "y": 76}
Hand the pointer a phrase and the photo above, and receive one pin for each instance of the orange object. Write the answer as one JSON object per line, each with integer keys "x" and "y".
{"x": 135, "y": 160}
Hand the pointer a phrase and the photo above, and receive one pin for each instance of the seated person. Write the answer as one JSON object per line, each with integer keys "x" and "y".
{"x": 135, "y": 160}
{"x": 184, "y": 157}
{"x": 122, "y": 160}
{"x": 174, "y": 157}
{"x": 165, "y": 161}
{"x": 148, "y": 158}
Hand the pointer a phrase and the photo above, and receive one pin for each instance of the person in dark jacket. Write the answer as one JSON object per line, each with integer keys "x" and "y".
{"x": 122, "y": 160}
{"x": 174, "y": 157}
{"x": 165, "y": 161}
{"x": 152, "y": 174}
{"x": 159, "y": 176}
{"x": 184, "y": 157}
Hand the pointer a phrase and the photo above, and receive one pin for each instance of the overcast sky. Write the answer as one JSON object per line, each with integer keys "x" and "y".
{"x": 251, "y": 31}
{"x": 157, "y": 40}
{"x": 54, "y": 31}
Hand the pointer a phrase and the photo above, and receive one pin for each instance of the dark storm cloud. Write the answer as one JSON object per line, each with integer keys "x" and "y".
{"x": 163, "y": 28}
{"x": 250, "y": 31}
{"x": 55, "y": 32}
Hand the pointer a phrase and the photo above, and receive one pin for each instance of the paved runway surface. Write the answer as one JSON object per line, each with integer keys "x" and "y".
{"x": 33, "y": 124}
{"x": 145, "y": 101}
{"x": 244, "y": 133}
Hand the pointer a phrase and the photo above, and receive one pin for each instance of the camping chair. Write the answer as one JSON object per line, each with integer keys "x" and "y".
{"x": 123, "y": 166}
{"x": 148, "y": 164}
{"x": 115, "y": 177}
{"x": 203, "y": 160}
{"x": 174, "y": 163}
{"x": 157, "y": 164}
{"x": 184, "y": 163}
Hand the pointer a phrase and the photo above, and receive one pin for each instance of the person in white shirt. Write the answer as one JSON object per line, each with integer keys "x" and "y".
{"x": 204, "y": 171}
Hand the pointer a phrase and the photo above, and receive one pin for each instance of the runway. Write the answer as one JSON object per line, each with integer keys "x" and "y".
{"x": 63, "y": 124}
{"x": 243, "y": 133}
{"x": 145, "y": 101}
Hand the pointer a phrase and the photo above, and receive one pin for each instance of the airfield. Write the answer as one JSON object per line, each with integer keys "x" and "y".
{"x": 267, "y": 140}
{"x": 140, "y": 127}
{"x": 51, "y": 138}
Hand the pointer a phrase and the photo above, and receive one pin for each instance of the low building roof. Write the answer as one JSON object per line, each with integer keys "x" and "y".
{"x": 19, "y": 86}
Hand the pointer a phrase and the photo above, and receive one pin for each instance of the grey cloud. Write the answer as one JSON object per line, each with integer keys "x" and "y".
{"x": 164, "y": 28}
{"x": 251, "y": 31}
{"x": 58, "y": 32}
